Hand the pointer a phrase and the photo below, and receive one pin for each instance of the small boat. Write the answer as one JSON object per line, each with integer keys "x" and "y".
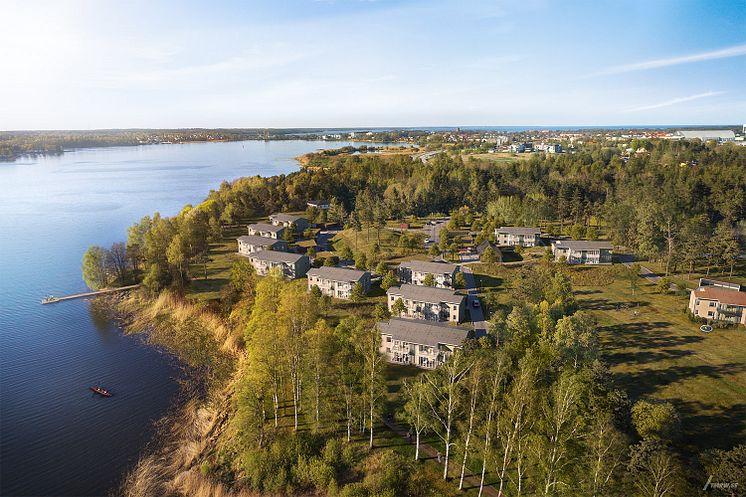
{"x": 49, "y": 299}
{"x": 101, "y": 391}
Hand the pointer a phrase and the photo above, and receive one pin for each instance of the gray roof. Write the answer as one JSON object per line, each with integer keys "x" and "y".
{"x": 276, "y": 256}
{"x": 423, "y": 332}
{"x": 519, "y": 230}
{"x": 707, "y": 134}
{"x": 337, "y": 273}
{"x": 286, "y": 218}
{"x": 483, "y": 246}
{"x": 426, "y": 294}
{"x": 583, "y": 245}
{"x": 259, "y": 240}
{"x": 266, "y": 227}
{"x": 429, "y": 267}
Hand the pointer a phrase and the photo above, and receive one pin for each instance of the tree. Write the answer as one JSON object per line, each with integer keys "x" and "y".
{"x": 655, "y": 419}
{"x": 95, "y": 270}
{"x": 488, "y": 256}
{"x": 415, "y": 408}
{"x": 176, "y": 254}
{"x": 444, "y": 399}
{"x": 474, "y": 386}
{"x": 459, "y": 281}
{"x": 381, "y": 268}
{"x": 654, "y": 470}
{"x": 429, "y": 280}
{"x": 607, "y": 448}
{"x": 694, "y": 235}
{"x": 389, "y": 280}
{"x": 320, "y": 345}
{"x": 369, "y": 343}
{"x": 345, "y": 252}
{"x": 295, "y": 315}
{"x": 560, "y": 425}
{"x": 398, "y": 308}
{"x": 361, "y": 261}
{"x": 725, "y": 246}
{"x": 433, "y": 251}
{"x": 358, "y": 293}
{"x": 576, "y": 339}
{"x": 117, "y": 261}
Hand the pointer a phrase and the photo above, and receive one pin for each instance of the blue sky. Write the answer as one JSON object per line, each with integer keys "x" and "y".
{"x": 103, "y": 64}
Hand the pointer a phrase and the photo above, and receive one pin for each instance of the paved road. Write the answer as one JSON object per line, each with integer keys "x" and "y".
{"x": 476, "y": 313}
{"x": 324, "y": 238}
{"x": 425, "y": 156}
{"x": 646, "y": 273}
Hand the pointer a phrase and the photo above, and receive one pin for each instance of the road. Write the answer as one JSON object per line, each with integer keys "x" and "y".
{"x": 476, "y": 313}
{"x": 646, "y": 273}
{"x": 425, "y": 156}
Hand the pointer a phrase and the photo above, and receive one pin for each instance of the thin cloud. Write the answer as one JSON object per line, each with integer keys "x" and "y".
{"x": 675, "y": 101}
{"x": 735, "y": 51}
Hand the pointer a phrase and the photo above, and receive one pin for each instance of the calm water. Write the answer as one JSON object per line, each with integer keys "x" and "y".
{"x": 56, "y": 437}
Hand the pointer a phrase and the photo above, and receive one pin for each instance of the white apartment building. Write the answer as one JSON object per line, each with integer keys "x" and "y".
{"x": 517, "y": 236}
{"x": 424, "y": 344}
{"x": 337, "y": 282}
{"x": 430, "y": 303}
{"x": 415, "y": 272}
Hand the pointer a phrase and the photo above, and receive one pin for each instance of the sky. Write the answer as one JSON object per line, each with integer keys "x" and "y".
{"x": 84, "y": 64}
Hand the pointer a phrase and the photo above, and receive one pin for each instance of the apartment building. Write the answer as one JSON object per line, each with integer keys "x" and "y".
{"x": 289, "y": 221}
{"x": 337, "y": 282}
{"x": 718, "y": 301}
{"x": 290, "y": 265}
{"x": 267, "y": 230}
{"x": 517, "y": 236}
{"x": 582, "y": 251}
{"x": 415, "y": 272}
{"x": 248, "y": 244}
{"x": 425, "y": 302}
{"x": 424, "y": 344}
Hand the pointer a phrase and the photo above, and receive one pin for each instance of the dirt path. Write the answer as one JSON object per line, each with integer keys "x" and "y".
{"x": 470, "y": 480}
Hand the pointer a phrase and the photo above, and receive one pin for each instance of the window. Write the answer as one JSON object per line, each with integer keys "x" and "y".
{"x": 388, "y": 339}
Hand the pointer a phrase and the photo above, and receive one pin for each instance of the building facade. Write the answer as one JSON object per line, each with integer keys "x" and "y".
{"x": 415, "y": 272}
{"x": 582, "y": 251}
{"x": 289, "y": 221}
{"x": 267, "y": 230}
{"x": 518, "y": 236}
{"x": 429, "y": 303}
{"x": 718, "y": 303}
{"x": 337, "y": 282}
{"x": 423, "y": 344}
{"x": 248, "y": 244}
{"x": 290, "y": 265}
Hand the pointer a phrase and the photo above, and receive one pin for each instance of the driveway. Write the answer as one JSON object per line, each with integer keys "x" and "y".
{"x": 476, "y": 313}
{"x": 646, "y": 273}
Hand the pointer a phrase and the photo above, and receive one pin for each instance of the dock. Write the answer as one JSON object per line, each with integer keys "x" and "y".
{"x": 54, "y": 300}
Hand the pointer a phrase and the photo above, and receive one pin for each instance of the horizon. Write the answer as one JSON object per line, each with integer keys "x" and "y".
{"x": 335, "y": 63}
{"x": 464, "y": 127}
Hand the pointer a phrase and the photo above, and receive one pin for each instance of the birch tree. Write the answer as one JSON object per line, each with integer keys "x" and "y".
{"x": 415, "y": 409}
{"x": 443, "y": 399}
{"x": 368, "y": 343}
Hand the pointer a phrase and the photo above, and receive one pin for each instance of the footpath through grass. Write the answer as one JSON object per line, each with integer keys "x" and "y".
{"x": 654, "y": 351}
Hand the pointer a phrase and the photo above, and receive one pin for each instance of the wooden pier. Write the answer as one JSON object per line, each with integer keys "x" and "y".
{"x": 54, "y": 300}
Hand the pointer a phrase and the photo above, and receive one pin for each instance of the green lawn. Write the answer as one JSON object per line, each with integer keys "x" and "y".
{"x": 659, "y": 353}
{"x": 221, "y": 257}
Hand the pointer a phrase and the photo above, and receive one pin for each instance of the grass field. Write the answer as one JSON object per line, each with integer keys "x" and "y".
{"x": 659, "y": 353}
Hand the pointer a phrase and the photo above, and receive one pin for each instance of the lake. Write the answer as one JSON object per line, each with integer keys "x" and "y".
{"x": 57, "y": 437}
